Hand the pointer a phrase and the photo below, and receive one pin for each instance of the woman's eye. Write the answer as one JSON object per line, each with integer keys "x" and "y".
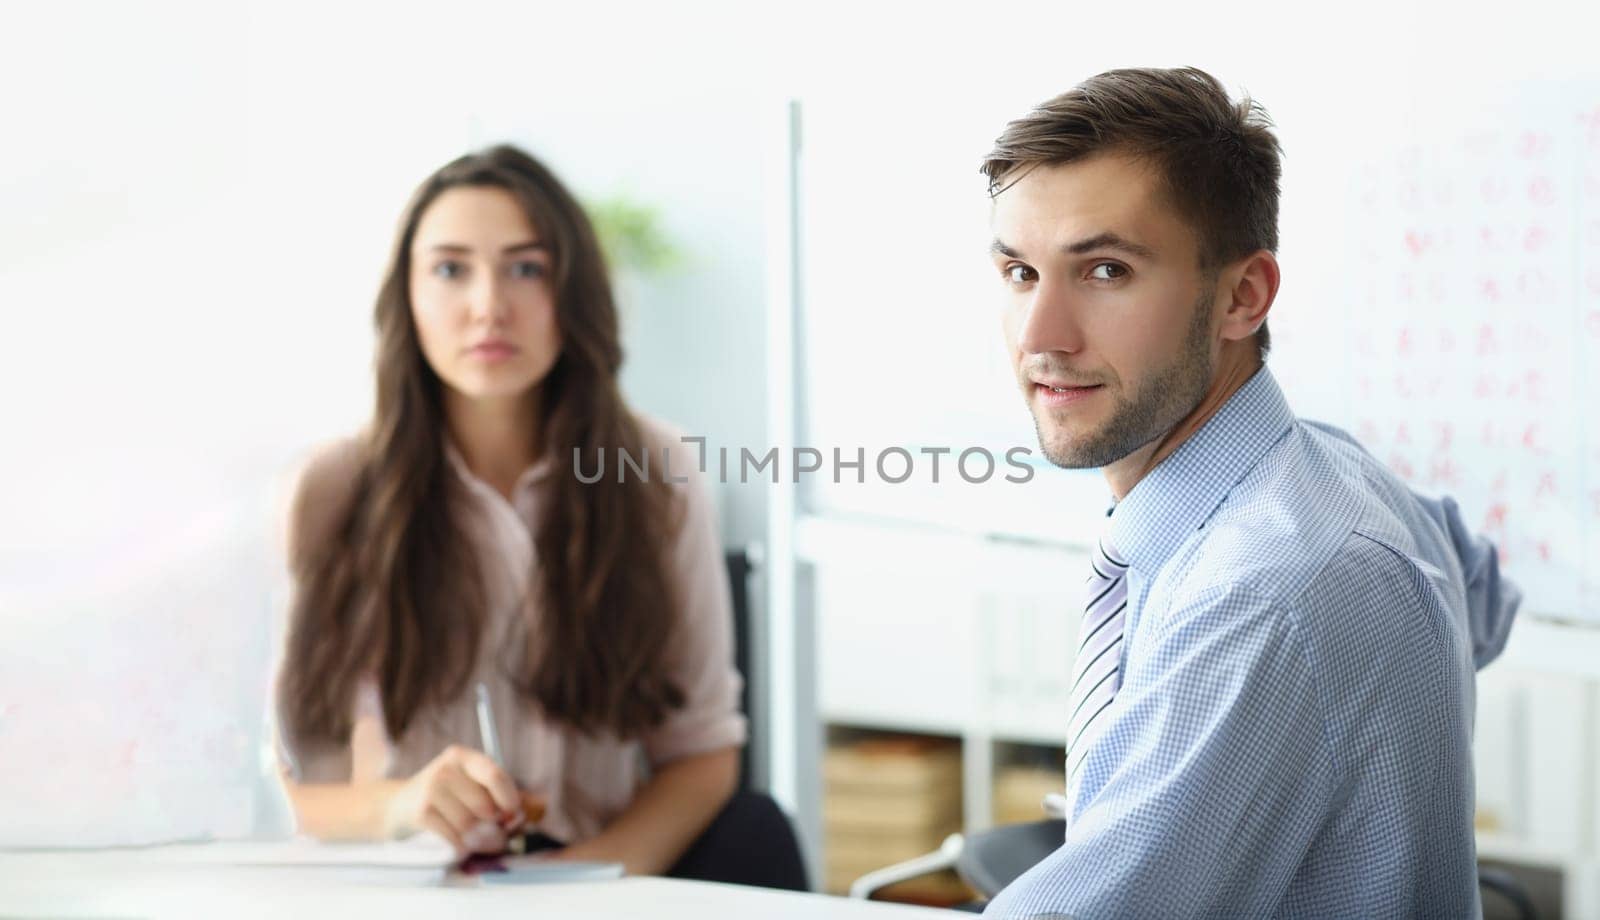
{"x": 1019, "y": 274}
{"x": 527, "y": 269}
{"x": 1108, "y": 271}
{"x": 449, "y": 269}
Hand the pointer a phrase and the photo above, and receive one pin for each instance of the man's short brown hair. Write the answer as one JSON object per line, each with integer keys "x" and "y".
{"x": 1218, "y": 159}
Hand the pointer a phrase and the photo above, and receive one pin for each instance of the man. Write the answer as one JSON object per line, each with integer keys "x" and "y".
{"x": 1272, "y": 706}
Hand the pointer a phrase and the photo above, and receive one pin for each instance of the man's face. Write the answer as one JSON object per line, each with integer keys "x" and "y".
{"x": 1108, "y": 316}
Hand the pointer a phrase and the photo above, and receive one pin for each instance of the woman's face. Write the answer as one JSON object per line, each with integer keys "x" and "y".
{"x": 482, "y": 296}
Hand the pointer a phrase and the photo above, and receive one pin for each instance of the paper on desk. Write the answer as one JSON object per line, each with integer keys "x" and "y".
{"x": 420, "y": 851}
{"x": 539, "y": 870}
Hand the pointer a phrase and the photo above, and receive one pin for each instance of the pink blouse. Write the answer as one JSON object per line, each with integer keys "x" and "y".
{"x": 587, "y": 780}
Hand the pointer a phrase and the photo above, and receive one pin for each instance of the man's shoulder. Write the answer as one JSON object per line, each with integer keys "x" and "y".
{"x": 1281, "y": 522}
{"x": 1313, "y": 513}
{"x": 1320, "y": 529}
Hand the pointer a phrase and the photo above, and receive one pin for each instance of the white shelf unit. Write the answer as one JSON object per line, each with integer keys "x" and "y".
{"x": 918, "y": 629}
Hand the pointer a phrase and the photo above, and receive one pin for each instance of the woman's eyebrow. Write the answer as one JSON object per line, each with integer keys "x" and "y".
{"x": 513, "y": 248}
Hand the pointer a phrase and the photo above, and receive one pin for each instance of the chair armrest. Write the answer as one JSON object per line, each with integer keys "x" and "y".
{"x": 943, "y": 858}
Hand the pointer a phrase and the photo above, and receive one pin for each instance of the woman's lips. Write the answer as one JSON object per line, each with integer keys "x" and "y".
{"x": 493, "y": 351}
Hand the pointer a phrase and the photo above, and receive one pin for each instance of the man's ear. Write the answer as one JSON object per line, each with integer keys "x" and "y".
{"x": 1251, "y": 287}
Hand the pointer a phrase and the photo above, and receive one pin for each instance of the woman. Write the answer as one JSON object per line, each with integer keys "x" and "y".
{"x": 452, "y": 544}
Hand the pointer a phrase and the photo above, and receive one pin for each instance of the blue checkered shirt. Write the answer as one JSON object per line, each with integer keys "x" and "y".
{"x": 1293, "y": 734}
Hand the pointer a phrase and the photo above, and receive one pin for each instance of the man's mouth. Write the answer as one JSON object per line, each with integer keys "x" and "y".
{"x": 1063, "y": 394}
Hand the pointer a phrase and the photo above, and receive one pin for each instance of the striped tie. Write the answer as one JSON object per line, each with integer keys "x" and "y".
{"x": 1096, "y": 671}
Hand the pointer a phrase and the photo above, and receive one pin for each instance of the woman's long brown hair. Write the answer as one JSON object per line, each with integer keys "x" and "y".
{"x": 396, "y": 589}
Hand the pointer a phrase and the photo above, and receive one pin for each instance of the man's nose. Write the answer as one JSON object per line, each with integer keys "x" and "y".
{"x": 1051, "y": 321}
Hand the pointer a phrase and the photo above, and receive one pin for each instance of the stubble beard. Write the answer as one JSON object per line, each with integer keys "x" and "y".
{"x": 1156, "y": 405}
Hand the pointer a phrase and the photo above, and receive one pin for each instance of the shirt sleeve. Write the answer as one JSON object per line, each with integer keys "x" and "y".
{"x": 700, "y": 654}
{"x": 320, "y": 494}
{"x": 1224, "y": 777}
{"x": 1492, "y": 601}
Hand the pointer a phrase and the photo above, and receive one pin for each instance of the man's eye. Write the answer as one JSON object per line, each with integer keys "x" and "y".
{"x": 1108, "y": 271}
{"x": 527, "y": 269}
{"x": 1019, "y": 274}
{"x": 449, "y": 269}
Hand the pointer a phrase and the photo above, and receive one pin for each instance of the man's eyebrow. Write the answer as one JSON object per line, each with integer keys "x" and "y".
{"x": 1001, "y": 249}
{"x": 1110, "y": 240}
{"x": 1105, "y": 240}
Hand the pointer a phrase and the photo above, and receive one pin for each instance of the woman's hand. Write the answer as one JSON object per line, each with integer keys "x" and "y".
{"x": 462, "y": 796}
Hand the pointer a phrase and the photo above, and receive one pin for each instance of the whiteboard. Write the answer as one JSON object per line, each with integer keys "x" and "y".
{"x": 1473, "y": 303}
{"x": 1441, "y": 301}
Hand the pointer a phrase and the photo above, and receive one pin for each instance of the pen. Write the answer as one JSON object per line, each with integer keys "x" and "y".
{"x": 491, "y": 746}
{"x": 491, "y": 738}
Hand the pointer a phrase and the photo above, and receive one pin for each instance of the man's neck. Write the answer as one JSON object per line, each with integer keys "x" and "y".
{"x": 1234, "y": 371}
{"x": 498, "y": 438}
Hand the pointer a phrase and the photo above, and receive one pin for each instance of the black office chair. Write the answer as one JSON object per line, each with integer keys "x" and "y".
{"x": 751, "y": 842}
{"x": 740, "y": 569}
{"x": 990, "y": 860}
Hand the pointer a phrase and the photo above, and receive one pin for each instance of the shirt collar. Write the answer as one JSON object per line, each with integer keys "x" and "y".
{"x": 539, "y": 470}
{"x": 1175, "y": 499}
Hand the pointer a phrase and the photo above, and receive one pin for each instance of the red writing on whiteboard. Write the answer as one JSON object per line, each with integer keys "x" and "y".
{"x": 1489, "y": 289}
{"x": 1542, "y": 191}
{"x": 1443, "y": 472}
{"x": 1533, "y": 144}
{"x": 1493, "y": 189}
{"x": 1535, "y": 239}
{"x": 1401, "y": 467}
{"x": 1405, "y": 288}
{"x": 1444, "y": 434}
{"x": 1590, "y": 122}
{"x": 1533, "y": 386}
{"x": 1488, "y": 343}
{"x": 1418, "y": 242}
{"x": 1547, "y": 485}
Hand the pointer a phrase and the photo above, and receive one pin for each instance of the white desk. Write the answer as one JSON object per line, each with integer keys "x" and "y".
{"x": 145, "y": 883}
